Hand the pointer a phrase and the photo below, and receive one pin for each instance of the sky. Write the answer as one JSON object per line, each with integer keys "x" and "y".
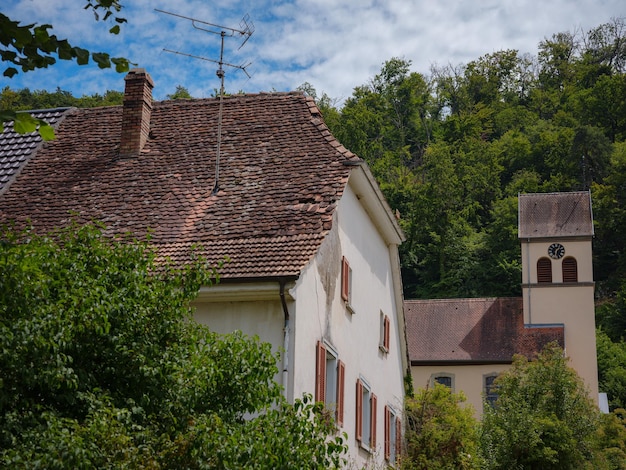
{"x": 334, "y": 45}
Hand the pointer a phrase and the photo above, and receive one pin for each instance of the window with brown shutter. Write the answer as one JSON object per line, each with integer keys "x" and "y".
{"x": 544, "y": 270}
{"x": 341, "y": 373}
{"x": 320, "y": 373}
{"x": 570, "y": 269}
{"x": 329, "y": 380}
{"x": 346, "y": 279}
{"x": 373, "y": 402}
{"x": 359, "y": 410}
{"x": 398, "y": 449}
{"x": 387, "y": 329}
{"x": 365, "y": 415}
{"x": 393, "y": 435}
{"x": 387, "y": 432}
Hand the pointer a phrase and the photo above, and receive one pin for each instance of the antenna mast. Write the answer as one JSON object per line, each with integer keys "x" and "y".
{"x": 247, "y": 28}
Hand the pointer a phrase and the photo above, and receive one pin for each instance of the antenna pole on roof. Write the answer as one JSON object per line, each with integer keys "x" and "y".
{"x": 247, "y": 28}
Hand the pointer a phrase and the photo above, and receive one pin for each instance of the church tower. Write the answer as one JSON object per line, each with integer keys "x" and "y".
{"x": 555, "y": 231}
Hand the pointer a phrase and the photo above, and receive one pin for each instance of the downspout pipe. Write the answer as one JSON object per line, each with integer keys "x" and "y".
{"x": 283, "y": 302}
{"x": 530, "y": 317}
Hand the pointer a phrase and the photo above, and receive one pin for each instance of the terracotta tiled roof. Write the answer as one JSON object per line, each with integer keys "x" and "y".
{"x": 16, "y": 149}
{"x": 472, "y": 330}
{"x": 281, "y": 176}
{"x": 555, "y": 215}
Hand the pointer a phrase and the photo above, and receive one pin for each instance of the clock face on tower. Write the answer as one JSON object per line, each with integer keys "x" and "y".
{"x": 556, "y": 251}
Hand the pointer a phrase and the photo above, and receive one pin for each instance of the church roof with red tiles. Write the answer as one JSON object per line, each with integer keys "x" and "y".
{"x": 281, "y": 175}
{"x": 482, "y": 330}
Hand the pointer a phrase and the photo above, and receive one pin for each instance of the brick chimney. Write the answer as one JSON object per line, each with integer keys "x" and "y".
{"x": 136, "y": 114}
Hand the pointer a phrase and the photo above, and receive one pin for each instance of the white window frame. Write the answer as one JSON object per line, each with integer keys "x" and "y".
{"x": 334, "y": 380}
{"x": 368, "y": 409}
{"x": 332, "y": 362}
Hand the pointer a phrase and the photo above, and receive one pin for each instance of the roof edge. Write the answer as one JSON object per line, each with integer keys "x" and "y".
{"x": 372, "y": 198}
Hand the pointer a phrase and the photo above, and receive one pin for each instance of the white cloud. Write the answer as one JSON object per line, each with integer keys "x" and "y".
{"x": 335, "y": 45}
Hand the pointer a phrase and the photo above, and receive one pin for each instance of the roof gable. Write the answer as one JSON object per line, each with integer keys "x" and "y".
{"x": 281, "y": 175}
{"x": 16, "y": 149}
{"x": 547, "y": 215}
{"x": 472, "y": 330}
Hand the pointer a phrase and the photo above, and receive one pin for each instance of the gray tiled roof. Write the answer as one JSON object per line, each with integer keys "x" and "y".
{"x": 16, "y": 149}
{"x": 545, "y": 215}
{"x": 282, "y": 174}
{"x": 481, "y": 330}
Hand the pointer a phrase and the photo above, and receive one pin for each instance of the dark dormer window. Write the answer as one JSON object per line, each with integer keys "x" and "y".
{"x": 544, "y": 270}
{"x": 570, "y": 269}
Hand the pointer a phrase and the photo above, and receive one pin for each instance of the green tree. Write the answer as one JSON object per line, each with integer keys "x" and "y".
{"x": 441, "y": 432}
{"x": 102, "y": 366}
{"x": 612, "y": 369}
{"x": 180, "y": 93}
{"x": 29, "y": 47}
{"x": 543, "y": 417}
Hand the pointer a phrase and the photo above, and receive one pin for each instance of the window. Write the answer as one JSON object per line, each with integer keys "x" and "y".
{"x": 365, "y": 415}
{"x": 385, "y": 326}
{"x": 570, "y": 269}
{"x": 393, "y": 435}
{"x": 544, "y": 270}
{"x": 346, "y": 280}
{"x": 443, "y": 379}
{"x": 329, "y": 380}
{"x": 491, "y": 394}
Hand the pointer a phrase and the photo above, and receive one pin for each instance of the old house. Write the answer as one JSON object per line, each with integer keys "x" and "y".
{"x": 466, "y": 343}
{"x": 311, "y": 242}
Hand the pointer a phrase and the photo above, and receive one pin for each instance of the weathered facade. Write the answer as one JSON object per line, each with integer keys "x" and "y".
{"x": 311, "y": 243}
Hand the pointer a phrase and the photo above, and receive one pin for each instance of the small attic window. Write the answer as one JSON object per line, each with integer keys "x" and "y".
{"x": 570, "y": 269}
{"x": 544, "y": 270}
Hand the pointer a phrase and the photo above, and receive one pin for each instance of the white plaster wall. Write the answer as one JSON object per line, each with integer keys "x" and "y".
{"x": 263, "y": 318}
{"x": 321, "y": 314}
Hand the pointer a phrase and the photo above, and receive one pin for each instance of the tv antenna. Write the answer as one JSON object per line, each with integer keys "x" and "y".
{"x": 246, "y": 29}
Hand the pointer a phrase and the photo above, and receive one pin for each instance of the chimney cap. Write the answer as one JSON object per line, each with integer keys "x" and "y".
{"x": 139, "y": 74}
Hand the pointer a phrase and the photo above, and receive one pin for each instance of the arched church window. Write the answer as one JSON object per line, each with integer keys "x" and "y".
{"x": 544, "y": 270}
{"x": 570, "y": 269}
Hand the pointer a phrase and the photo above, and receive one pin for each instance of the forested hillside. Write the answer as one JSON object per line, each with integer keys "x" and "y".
{"x": 452, "y": 149}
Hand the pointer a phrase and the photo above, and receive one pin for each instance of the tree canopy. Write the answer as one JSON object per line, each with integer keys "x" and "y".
{"x": 543, "y": 417}
{"x": 441, "y": 433}
{"x": 102, "y": 366}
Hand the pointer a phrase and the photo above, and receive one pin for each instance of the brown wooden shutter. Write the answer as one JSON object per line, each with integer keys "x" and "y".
{"x": 570, "y": 269}
{"x": 345, "y": 279}
{"x": 359, "y": 410}
{"x": 387, "y": 328}
{"x": 341, "y": 374}
{"x": 373, "y": 401}
{"x": 544, "y": 270}
{"x": 387, "y": 432}
{"x": 398, "y": 439}
{"x": 320, "y": 372}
